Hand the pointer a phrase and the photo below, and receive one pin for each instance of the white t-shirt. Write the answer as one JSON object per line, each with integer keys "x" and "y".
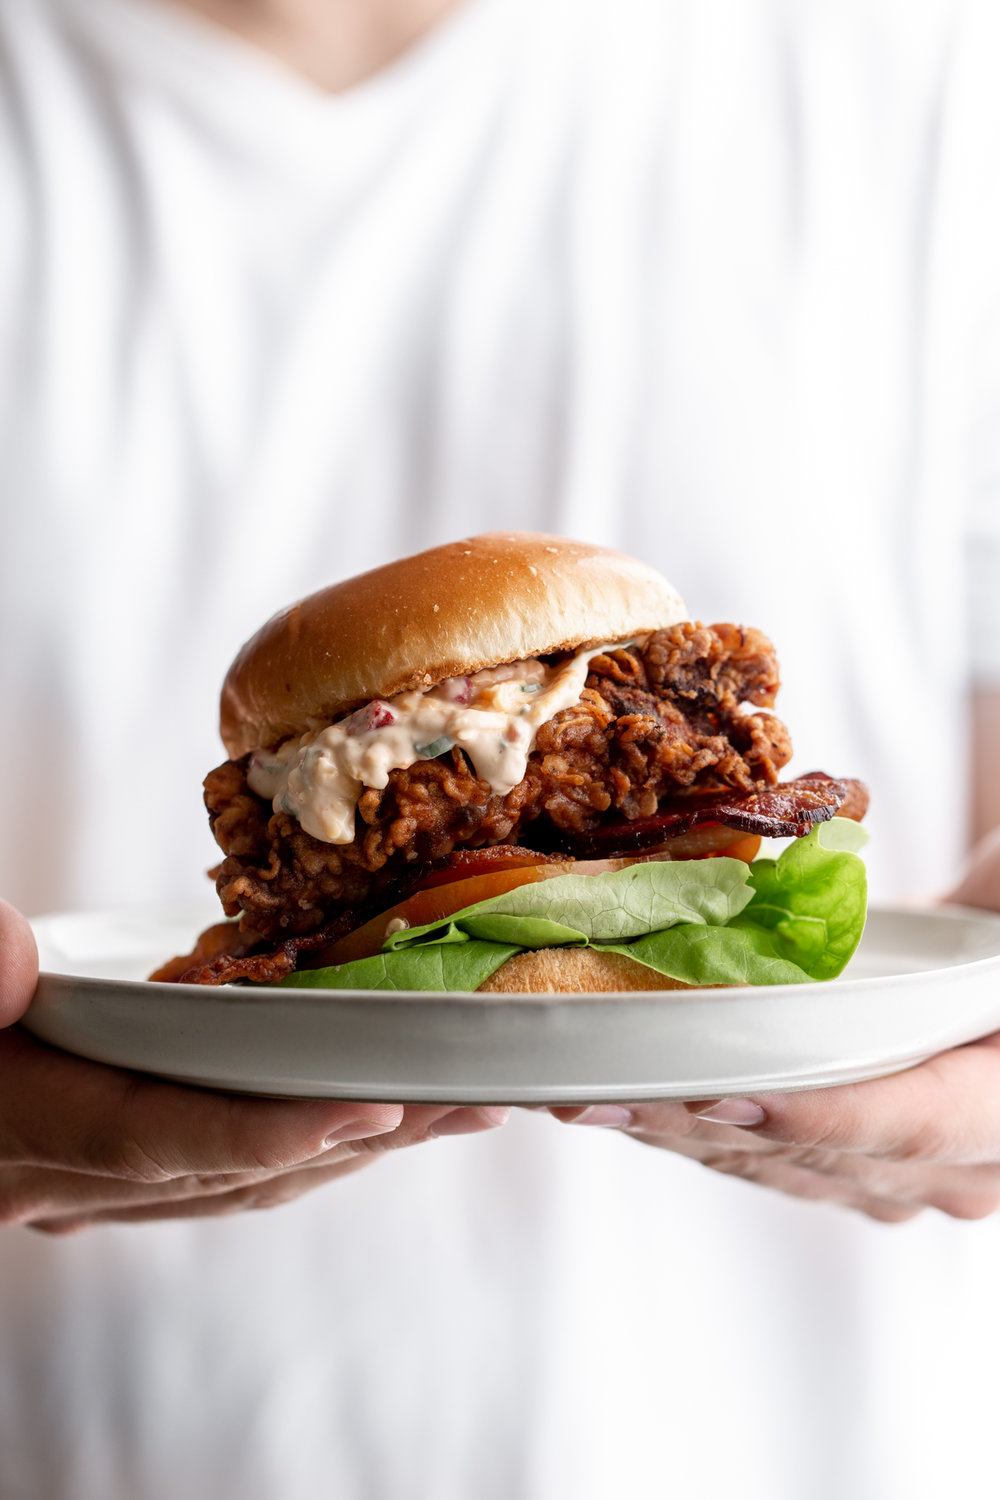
{"x": 713, "y": 282}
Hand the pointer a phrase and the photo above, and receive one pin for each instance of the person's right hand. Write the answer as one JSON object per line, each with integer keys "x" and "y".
{"x": 83, "y": 1144}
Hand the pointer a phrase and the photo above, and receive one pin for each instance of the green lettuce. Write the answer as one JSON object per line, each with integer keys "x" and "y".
{"x": 437, "y": 966}
{"x": 788, "y": 920}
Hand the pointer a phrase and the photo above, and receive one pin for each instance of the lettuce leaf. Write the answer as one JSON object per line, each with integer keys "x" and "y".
{"x": 812, "y": 900}
{"x": 438, "y": 966}
{"x": 788, "y": 920}
{"x": 609, "y": 908}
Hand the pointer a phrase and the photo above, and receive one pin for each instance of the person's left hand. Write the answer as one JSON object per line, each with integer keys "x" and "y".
{"x": 926, "y": 1138}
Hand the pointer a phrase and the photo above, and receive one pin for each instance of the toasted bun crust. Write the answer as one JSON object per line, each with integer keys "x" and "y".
{"x": 574, "y": 971}
{"x": 443, "y": 613}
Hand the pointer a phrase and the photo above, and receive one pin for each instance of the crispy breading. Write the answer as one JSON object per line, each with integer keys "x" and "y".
{"x": 654, "y": 719}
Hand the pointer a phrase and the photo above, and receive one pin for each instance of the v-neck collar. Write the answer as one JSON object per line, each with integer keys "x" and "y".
{"x": 265, "y": 107}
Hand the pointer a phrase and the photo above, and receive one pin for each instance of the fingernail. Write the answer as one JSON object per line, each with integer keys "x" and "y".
{"x": 613, "y": 1115}
{"x": 470, "y": 1120}
{"x": 356, "y": 1130}
{"x": 733, "y": 1112}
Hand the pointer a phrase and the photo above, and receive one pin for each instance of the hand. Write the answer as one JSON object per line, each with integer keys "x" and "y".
{"x": 926, "y": 1138}
{"x": 82, "y": 1144}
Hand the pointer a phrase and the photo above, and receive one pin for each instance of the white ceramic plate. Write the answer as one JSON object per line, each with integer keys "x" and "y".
{"x": 921, "y": 982}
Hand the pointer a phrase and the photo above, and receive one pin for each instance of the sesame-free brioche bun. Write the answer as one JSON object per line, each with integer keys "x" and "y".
{"x": 446, "y": 612}
{"x": 574, "y": 971}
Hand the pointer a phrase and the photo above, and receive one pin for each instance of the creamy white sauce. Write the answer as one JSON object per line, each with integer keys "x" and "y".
{"x": 494, "y": 716}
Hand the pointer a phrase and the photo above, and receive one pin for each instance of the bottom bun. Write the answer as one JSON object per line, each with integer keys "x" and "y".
{"x": 574, "y": 971}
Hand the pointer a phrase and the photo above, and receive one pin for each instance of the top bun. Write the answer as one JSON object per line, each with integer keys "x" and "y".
{"x": 446, "y": 612}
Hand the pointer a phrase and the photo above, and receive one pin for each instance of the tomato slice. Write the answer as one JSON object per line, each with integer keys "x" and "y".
{"x": 746, "y": 849}
{"x": 440, "y": 901}
{"x": 465, "y": 862}
{"x": 432, "y": 903}
{"x": 699, "y": 843}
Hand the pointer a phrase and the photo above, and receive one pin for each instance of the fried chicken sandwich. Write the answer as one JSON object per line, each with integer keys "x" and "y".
{"x": 511, "y": 764}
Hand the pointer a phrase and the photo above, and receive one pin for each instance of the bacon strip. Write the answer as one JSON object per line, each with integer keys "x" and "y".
{"x": 225, "y": 953}
{"x": 786, "y": 810}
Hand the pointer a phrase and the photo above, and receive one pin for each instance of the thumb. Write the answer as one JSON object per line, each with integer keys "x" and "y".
{"x": 18, "y": 965}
